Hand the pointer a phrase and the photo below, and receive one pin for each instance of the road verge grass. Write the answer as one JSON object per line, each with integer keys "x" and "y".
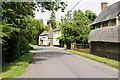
{"x": 16, "y": 68}
{"x": 105, "y": 61}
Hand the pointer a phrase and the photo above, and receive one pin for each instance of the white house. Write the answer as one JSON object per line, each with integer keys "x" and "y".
{"x": 56, "y": 33}
{"x": 46, "y": 38}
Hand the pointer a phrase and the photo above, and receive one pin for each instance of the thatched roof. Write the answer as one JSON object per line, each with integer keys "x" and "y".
{"x": 105, "y": 34}
{"x": 108, "y": 13}
{"x": 44, "y": 33}
{"x": 48, "y": 33}
{"x": 57, "y": 29}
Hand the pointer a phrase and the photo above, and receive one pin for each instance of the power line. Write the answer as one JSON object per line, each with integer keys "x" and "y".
{"x": 76, "y": 4}
{"x": 71, "y": 9}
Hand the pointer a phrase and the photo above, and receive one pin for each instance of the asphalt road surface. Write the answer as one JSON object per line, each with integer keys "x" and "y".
{"x": 52, "y": 62}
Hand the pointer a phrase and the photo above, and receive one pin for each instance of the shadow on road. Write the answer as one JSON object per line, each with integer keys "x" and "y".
{"x": 46, "y": 53}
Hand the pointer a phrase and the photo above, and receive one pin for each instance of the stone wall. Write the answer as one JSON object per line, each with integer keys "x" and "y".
{"x": 106, "y": 49}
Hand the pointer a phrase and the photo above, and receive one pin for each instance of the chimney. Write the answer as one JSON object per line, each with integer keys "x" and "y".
{"x": 103, "y": 5}
{"x": 50, "y": 26}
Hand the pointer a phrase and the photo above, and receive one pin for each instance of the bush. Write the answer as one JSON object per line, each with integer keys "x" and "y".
{"x": 24, "y": 46}
{"x": 34, "y": 42}
{"x": 14, "y": 47}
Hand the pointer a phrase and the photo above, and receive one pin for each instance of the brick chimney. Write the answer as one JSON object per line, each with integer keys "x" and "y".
{"x": 103, "y": 5}
{"x": 50, "y": 26}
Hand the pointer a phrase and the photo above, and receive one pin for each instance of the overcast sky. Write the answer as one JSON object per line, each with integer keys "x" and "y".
{"x": 93, "y": 5}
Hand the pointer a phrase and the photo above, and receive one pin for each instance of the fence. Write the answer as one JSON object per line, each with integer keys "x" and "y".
{"x": 82, "y": 46}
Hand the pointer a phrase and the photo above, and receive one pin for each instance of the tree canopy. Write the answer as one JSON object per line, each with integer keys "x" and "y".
{"x": 52, "y": 20}
{"x": 19, "y": 28}
{"x": 75, "y": 27}
{"x": 92, "y": 16}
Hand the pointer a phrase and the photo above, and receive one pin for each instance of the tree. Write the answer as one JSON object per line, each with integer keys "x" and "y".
{"x": 74, "y": 28}
{"x": 57, "y": 23}
{"x": 52, "y": 20}
{"x": 13, "y": 28}
{"x": 67, "y": 18}
{"x": 92, "y": 16}
{"x": 19, "y": 26}
{"x": 51, "y": 6}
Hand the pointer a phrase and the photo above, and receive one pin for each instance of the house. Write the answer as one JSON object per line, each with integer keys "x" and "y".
{"x": 108, "y": 16}
{"x": 57, "y": 33}
{"x": 46, "y": 37}
{"x": 105, "y": 41}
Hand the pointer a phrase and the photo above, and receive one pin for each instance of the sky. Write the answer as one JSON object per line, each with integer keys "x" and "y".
{"x": 93, "y": 5}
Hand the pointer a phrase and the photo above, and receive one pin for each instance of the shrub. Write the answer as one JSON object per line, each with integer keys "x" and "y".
{"x": 24, "y": 46}
{"x": 14, "y": 47}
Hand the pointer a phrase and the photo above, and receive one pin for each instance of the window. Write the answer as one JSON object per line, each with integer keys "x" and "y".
{"x": 105, "y": 24}
{"x": 110, "y": 23}
{"x": 114, "y": 22}
{"x": 44, "y": 37}
{"x": 97, "y": 26}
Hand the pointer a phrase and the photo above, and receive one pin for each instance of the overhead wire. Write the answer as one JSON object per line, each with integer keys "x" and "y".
{"x": 71, "y": 8}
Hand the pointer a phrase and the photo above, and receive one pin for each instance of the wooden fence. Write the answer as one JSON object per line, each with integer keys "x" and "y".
{"x": 82, "y": 46}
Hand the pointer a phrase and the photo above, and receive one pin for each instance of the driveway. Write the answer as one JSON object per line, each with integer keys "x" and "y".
{"x": 52, "y": 62}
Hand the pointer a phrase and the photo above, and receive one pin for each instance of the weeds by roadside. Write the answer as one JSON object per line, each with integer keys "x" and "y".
{"x": 106, "y": 61}
{"x": 17, "y": 68}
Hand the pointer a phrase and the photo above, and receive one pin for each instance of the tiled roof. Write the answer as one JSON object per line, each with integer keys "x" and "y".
{"x": 105, "y": 34}
{"x": 108, "y": 13}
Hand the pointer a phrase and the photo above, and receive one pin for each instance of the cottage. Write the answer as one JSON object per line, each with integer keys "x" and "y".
{"x": 105, "y": 41}
{"x": 46, "y": 38}
{"x": 57, "y": 33}
{"x": 108, "y": 16}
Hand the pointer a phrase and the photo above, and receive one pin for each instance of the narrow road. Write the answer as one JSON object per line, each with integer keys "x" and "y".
{"x": 57, "y": 63}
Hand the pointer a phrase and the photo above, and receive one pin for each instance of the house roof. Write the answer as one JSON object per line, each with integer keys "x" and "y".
{"x": 105, "y": 34}
{"x": 44, "y": 33}
{"x": 108, "y": 13}
{"x": 57, "y": 29}
{"x": 48, "y": 33}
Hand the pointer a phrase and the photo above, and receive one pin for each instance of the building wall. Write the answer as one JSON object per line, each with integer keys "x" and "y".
{"x": 56, "y": 34}
{"x": 43, "y": 40}
{"x": 106, "y": 49}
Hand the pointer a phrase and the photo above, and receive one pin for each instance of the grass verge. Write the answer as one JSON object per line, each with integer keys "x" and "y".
{"x": 17, "y": 68}
{"x": 106, "y": 61}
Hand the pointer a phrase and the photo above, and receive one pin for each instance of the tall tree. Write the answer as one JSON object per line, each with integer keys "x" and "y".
{"x": 51, "y": 5}
{"x": 52, "y": 20}
{"x": 92, "y": 16}
{"x": 74, "y": 28}
{"x": 19, "y": 28}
